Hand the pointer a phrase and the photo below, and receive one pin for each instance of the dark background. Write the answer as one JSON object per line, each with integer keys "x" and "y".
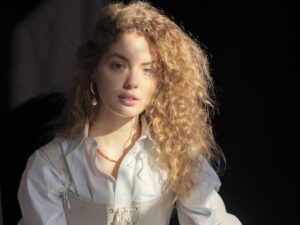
{"x": 252, "y": 46}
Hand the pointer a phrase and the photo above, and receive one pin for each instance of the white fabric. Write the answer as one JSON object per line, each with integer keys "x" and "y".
{"x": 138, "y": 180}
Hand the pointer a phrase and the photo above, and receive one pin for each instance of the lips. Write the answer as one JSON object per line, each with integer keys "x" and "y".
{"x": 128, "y": 96}
{"x": 128, "y": 100}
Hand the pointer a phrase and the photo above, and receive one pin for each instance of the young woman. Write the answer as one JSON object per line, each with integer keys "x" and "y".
{"x": 135, "y": 138}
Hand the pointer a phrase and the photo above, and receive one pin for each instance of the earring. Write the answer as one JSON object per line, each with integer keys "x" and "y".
{"x": 94, "y": 100}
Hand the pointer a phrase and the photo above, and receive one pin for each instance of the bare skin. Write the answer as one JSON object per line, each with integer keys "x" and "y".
{"x": 125, "y": 85}
{"x": 117, "y": 150}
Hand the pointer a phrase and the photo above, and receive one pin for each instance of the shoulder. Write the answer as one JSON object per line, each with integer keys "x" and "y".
{"x": 39, "y": 165}
{"x": 205, "y": 176}
{"x": 56, "y": 144}
{"x": 51, "y": 156}
{"x": 207, "y": 185}
{"x": 42, "y": 162}
{"x": 40, "y": 172}
{"x": 41, "y": 187}
{"x": 60, "y": 145}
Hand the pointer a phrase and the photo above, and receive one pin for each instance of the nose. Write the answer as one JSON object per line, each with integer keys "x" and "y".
{"x": 132, "y": 80}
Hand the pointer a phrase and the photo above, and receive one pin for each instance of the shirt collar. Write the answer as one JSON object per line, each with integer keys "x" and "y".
{"x": 84, "y": 135}
{"x": 145, "y": 133}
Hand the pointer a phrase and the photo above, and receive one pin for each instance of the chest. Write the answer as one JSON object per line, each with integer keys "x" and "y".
{"x": 133, "y": 178}
{"x": 107, "y": 165}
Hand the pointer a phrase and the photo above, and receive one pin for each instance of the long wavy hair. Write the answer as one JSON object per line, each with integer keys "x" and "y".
{"x": 179, "y": 115}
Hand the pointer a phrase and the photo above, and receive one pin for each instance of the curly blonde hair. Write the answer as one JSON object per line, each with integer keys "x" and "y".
{"x": 180, "y": 113}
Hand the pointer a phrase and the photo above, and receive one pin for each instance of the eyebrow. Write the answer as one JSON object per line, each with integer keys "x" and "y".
{"x": 125, "y": 59}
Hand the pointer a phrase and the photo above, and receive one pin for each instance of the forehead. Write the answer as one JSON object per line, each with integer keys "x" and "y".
{"x": 132, "y": 46}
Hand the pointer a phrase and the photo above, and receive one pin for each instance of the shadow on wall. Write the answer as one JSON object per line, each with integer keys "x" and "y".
{"x": 26, "y": 132}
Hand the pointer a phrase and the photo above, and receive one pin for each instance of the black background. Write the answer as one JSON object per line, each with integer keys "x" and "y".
{"x": 252, "y": 46}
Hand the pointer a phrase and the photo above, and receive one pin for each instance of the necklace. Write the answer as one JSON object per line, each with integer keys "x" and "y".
{"x": 106, "y": 157}
{"x": 136, "y": 135}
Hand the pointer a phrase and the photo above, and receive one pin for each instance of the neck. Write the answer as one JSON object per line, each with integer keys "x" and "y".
{"x": 108, "y": 127}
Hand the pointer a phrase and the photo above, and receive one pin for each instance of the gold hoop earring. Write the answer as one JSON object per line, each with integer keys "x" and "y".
{"x": 94, "y": 100}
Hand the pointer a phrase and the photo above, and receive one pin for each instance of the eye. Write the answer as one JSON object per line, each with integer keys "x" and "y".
{"x": 148, "y": 71}
{"x": 117, "y": 66}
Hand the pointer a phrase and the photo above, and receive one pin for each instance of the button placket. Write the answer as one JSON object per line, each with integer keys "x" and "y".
{"x": 124, "y": 181}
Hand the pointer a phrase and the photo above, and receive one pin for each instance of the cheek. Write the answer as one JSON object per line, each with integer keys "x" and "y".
{"x": 108, "y": 83}
{"x": 105, "y": 78}
{"x": 152, "y": 86}
{"x": 151, "y": 89}
{"x": 104, "y": 88}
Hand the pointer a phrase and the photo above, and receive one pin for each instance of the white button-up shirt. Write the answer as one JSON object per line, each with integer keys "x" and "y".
{"x": 137, "y": 180}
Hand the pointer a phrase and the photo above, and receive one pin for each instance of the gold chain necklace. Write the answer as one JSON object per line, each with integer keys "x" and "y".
{"x": 106, "y": 157}
{"x": 137, "y": 134}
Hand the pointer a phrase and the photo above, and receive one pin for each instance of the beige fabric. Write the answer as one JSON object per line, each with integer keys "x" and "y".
{"x": 81, "y": 212}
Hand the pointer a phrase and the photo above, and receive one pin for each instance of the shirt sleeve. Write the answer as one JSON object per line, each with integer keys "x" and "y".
{"x": 204, "y": 206}
{"x": 39, "y": 192}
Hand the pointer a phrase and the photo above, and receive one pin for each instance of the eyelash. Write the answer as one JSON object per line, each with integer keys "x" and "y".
{"x": 148, "y": 71}
{"x": 117, "y": 66}
{"x": 121, "y": 66}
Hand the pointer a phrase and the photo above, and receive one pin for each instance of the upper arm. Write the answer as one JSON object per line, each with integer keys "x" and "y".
{"x": 39, "y": 192}
{"x": 204, "y": 205}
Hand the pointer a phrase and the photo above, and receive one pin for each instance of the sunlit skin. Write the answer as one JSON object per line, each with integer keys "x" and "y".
{"x": 125, "y": 83}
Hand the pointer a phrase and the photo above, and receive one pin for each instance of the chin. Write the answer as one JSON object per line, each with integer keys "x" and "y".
{"x": 127, "y": 113}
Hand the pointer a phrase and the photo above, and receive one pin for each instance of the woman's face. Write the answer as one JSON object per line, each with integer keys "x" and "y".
{"x": 125, "y": 76}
